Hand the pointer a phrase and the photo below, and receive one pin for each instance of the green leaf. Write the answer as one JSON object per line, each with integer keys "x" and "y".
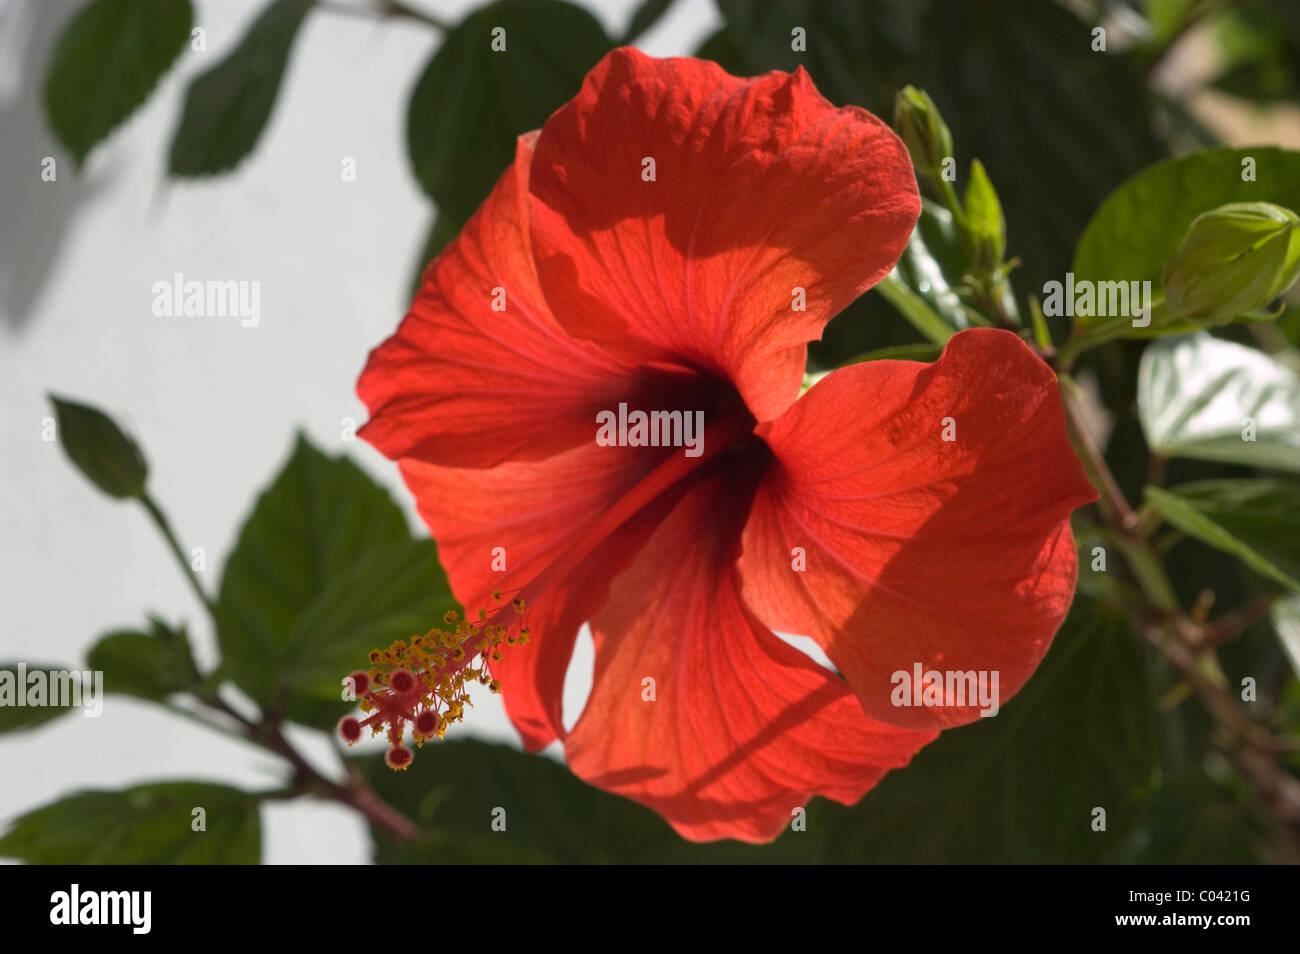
{"x": 227, "y": 107}
{"x": 1194, "y": 819}
{"x": 103, "y": 453}
{"x": 856, "y": 50}
{"x": 920, "y": 286}
{"x": 1143, "y": 221}
{"x": 647, "y": 14}
{"x": 912, "y": 352}
{"x": 108, "y": 59}
{"x": 1021, "y": 786}
{"x": 1196, "y": 392}
{"x": 15, "y": 686}
{"x": 150, "y": 665}
{"x": 1097, "y": 554}
{"x": 726, "y": 48}
{"x": 1259, "y": 50}
{"x": 1286, "y": 620}
{"x": 148, "y": 824}
{"x": 1257, "y": 521}
{"x": 472, "y": 103}
{"x": 1017, "y": 82}
{"x": 551, "y": 816}
{"x": 324, "y": 571}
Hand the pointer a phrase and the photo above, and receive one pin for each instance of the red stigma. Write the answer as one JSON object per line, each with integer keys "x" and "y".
{"x": 426, "y": 723}
{"x": 398, "y": 758}
{"x": 350, "y": 729}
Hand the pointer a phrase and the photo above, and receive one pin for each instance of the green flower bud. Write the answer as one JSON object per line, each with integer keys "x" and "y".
{"x": 986, "y": 228}
{"x": 100, "y": 450}
{"x": 922, "y": 130}
{"x": 1233, "y": 260}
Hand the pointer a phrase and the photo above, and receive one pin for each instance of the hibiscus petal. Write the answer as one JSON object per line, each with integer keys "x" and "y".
{"x": 743, "y": 728}
{"x": 955, "y": 554}
{"x": 761, "y": 187}
{"x": 462, "y": 384}
{"x": 520, "y": 516}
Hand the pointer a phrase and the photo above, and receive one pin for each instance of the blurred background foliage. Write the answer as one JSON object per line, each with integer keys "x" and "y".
{"x": 1059, "y": 126}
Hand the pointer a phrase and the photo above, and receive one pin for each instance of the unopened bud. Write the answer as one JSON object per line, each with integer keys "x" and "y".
{"x": 986, "y": 228}
{"x": 1233, "y": 260}
{"x": 922, "y": 130}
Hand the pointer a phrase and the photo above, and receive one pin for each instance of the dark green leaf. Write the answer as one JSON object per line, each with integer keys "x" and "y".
{"x": 551, "y": 816}
{"x": 1021, "y": 786}
{"x": 227, "y": 107}
{"x": 472, "y": 102}
{"x": 15, "y": 687}
{"x": 100, "y": 449}
{"x": 647, "y": 15}
{"x": 107, "y": 61}
{"x": 1023, "y": 91}
{"x": 324, "y": 571}
{"x": 151, "y": 665}
{"x": 931, "y": 266}
{"x": 149, "y": 824}
{"x": 1193, "y": 820}
{"x": 1257, "y": 521}
{"x": 1259, "y": 49}
{"x": 1017, "y": 83}
{"x": 856, "y": 50}
{"x": 728, "y": 50}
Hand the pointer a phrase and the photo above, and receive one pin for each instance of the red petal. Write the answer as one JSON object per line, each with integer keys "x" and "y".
{"x": 956, "y": 555}
{"x": 761, "y": 186}
{"x": 532, "y": 510}
{"x": 743, "y": 728}
{"x": 464, "y": 385}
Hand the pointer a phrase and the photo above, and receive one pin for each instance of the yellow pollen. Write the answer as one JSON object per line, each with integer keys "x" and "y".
{"x": 444, "y": 661}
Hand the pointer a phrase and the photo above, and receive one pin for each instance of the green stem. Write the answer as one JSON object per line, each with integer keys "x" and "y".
{"x": 948, "y": 195}
{"x": 206, "y": 723}
{"x": 1113, "y": 504}
{"x": 160, "y": 521}
{"x": 914, "y": 308}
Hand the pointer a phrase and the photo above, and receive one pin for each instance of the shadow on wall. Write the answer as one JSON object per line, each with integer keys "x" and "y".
{"x": 35, "y": 214}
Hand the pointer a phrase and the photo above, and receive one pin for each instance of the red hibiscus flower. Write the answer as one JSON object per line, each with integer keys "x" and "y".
{"x": 651, "y": 247}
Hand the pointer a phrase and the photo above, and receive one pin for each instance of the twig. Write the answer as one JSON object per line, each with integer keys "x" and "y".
{"x": 1189, "y": 645}
{"x": 160, "y": 520}
{"x": 384, "y": 9}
